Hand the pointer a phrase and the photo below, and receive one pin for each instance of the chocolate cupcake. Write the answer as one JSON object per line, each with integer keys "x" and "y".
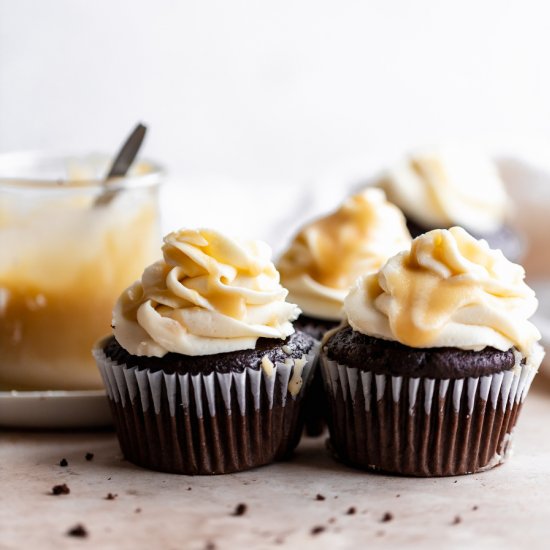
{"x": 205, "y": 373}
{"x": 429, "y": 375}
{"x": 438, "y": 188}
{"x": 326, "y": 257}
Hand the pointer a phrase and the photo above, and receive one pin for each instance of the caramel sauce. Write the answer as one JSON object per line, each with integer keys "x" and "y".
{"x": 424, "y": 299}
{"x": 424, "y": 303}
{"x": 339, "y": 245}
{"x": 56, "y": 301}
{"x": 228, "y": 304}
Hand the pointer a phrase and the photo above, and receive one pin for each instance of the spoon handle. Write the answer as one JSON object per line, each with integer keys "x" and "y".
{"x": 121, "y": 164}
{"x": 127, "y": 153}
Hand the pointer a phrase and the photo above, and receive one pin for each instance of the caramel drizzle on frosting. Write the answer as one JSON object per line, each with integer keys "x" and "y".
{"x": 448, "y": 290}
{"x": 328, "y": 254}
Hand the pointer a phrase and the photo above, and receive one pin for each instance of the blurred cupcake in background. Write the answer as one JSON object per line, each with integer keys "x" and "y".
{"x": 205, "y": 372}
{"x": 441, "y": 187}
{"x": 323, "y": 261}
{"x": 329, "y": 253}
{"x": 429, "y": 375}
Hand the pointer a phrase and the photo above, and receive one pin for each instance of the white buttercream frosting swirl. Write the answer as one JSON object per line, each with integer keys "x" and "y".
{"x": 446, "y": 186}
{"x": 328, "y": 254}
{"x": 210, "y": 294}
{"x": 448, "y": 290}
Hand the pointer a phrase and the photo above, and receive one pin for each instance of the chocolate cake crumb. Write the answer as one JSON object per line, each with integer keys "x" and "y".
{"x": 89, "y": 456}
{"x": 60, "y": 489}
{"x": 210, "y": 546}
{"x": 78, "y": 531}
{"x": 320, "y": 497}
{"x": 137, "y": 511}
{"x": 474, "y": 508}
{"x": 240, "y": 510}
{"x": 457, "y": 520}
{"x": 189, "y": 488}
{"x": 388, "y": 516}
{"x": 351, "y": 510}
{"x": 111, "y": 496}
{"x": 317, "y": 530}
{"x": 108, "y": 479}
{"x": 397, "y": 496}
{"x": 63, "y": 462}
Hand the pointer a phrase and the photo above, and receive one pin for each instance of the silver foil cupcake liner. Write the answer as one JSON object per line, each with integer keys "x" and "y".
{"x": 207, "y": 424}
{"x": 423, "y": 426}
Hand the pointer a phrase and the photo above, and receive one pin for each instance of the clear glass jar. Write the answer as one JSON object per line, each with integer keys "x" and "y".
{"x": 67, "y": 250}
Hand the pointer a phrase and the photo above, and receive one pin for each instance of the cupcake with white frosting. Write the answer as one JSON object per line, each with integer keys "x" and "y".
{"x": 328, "y": 254}
{"x": 204, "y": 371}
{"x": 323, "y": 261}
{"x": 430, "y": 373}
{"x": 441, "y": 187}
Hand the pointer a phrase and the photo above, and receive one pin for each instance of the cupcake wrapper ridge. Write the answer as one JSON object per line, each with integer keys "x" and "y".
{"x": 423, "y": 426}
{"x": 206, "y": 424}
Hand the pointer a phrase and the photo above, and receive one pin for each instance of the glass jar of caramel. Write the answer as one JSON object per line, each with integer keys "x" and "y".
{"x": 69, "y": 244}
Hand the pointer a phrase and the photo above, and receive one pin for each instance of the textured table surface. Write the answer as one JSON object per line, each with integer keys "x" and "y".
{"x": 504, "y": 508}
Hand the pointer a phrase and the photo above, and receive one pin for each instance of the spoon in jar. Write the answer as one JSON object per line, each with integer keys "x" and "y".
{"x": 121, "y": 164}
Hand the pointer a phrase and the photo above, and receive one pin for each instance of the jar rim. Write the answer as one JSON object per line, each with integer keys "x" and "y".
{"x": 20, "y": 160}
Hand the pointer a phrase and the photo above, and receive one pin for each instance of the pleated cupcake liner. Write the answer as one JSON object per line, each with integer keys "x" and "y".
{"x": 206, "y": 424}
{"x": 316, "y": 405}
{"x": 423, "y": 426}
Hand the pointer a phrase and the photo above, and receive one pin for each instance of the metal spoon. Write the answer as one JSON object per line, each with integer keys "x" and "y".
{"x": 121, "y": 164}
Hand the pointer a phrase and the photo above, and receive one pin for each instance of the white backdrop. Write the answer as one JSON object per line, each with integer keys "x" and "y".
{"x": 253, "y": 105}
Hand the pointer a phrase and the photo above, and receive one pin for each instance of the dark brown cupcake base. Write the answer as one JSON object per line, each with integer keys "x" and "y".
{"x": 316, "y": 402}
{"x": 313, "y": 326}
{"x": 221, "y": 444}
{"x": 207, "y": 424}
{"x": 387, "y": 431}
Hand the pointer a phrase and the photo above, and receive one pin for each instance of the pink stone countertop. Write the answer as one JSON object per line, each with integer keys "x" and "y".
{"x": 504, "y": 508}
